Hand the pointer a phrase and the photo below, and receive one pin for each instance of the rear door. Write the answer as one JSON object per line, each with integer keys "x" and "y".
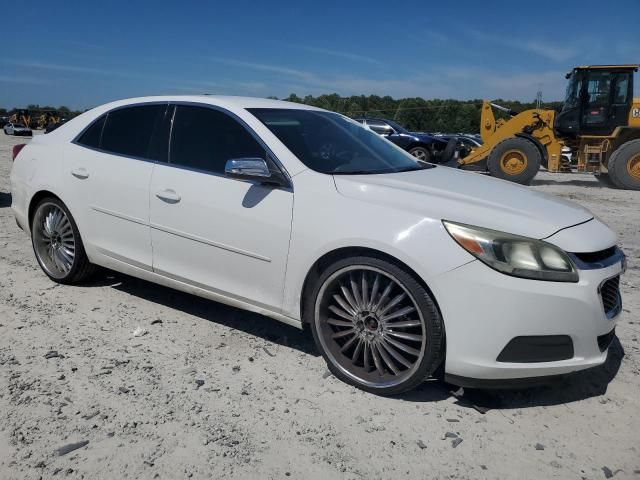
{"x": 110, "y": 168}
{"x": 228, "y": 236}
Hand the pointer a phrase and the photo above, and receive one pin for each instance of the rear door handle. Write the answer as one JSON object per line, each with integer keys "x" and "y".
{"x": 168, "y": 196}
{"x": 80, "y": 173}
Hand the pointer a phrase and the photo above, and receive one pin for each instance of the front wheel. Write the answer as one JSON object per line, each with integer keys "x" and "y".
{"x": 515, "y": 159}
{"x": 376, "y": 326}
{"x": 57, "y": 243}
{"x": 421, "y": 154}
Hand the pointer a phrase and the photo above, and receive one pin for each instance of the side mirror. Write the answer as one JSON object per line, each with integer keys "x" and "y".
{"x": 255, "y": 169}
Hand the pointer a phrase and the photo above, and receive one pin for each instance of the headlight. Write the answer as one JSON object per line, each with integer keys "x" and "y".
{"x": 514, "y": 255}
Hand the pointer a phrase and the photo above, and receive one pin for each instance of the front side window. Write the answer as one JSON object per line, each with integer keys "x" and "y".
{"x": 329, "y": 143}
{"x": 128, "y": 131}
{"x": 204, "y": 139}
{"x": 621, "y": 91}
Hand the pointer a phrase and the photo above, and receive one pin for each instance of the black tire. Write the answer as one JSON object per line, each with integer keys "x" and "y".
{"x": 449, "y": 151}
{"x": 80, "y": 267}
{"x": 518, "y": 152}
{"x": 421, "y": 153}
{"x": 425, "y": 319}
{"x": 624, "y": 166}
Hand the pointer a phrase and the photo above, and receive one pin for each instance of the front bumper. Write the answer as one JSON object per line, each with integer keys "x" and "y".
{"x": 484, "y": 311}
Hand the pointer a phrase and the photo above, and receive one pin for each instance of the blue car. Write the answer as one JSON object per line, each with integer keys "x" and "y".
{"x": 423, "y": 146}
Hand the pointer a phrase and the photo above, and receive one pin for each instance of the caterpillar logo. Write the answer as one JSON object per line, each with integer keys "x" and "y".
{"x": 635, "y": 113}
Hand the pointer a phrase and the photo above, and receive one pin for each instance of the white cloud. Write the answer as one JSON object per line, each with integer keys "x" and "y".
{"x": 20, "y": 79}
{"x": 71, "y": 68}
{"x": 557, "y": 52}
{"x": 339, "y": 54}
{"x": 266, "y": 68}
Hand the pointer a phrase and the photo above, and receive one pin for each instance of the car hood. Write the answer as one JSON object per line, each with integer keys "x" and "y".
{"x": 426, "y": 138}
{"x": 448, "y": 194}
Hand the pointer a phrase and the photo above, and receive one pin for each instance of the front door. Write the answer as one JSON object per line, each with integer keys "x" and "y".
{"x": 228, "y": 236}
{"x": 606, "y": 101}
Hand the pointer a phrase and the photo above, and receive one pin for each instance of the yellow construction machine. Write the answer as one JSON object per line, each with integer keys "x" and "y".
{"x": 599, "y": 123}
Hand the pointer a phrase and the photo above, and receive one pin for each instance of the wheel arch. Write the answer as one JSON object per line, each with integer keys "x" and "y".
{"x": 35, "y": 199}
{"x": 314, "y": 272}
{"x": 415, "y": 143}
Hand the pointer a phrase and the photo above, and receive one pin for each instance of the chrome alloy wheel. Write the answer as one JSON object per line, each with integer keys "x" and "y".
{"x": 370, "y": 326}
{"x": 53, "y": 240}
{"x": 420, "y": 155}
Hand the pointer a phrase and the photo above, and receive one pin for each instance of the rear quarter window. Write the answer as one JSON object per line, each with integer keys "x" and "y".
{"x": 91, "y": 136}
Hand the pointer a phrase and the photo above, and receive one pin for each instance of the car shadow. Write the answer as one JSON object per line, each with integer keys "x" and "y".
{"x": 572, "y": 388}
{"x": 231, "y": 317}
{"x": 576, "y": 183}
{"x": 5, "y": 199}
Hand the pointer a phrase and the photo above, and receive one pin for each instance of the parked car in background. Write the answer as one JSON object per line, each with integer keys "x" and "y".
{"x": 567, "y": 155}
{"x": 17, "y": 129}
{"x": 51, "y": 126}
{"x": 423, "y": 146}
{"x": 397, "y": 266}
{"x": 465, "y": 142}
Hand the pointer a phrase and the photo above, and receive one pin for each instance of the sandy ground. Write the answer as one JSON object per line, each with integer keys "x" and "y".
{"x": 213, "y": 391}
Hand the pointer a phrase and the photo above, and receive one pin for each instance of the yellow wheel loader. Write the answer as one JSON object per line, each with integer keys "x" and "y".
{"x": 599, "y": 122}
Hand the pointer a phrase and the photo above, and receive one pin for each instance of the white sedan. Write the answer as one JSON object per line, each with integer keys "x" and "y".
{"x": 302, "y": 215}
{"x": 17, "y": 129}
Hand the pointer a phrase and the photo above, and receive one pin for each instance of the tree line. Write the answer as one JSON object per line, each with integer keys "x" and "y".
{"x": 416, "y": 114}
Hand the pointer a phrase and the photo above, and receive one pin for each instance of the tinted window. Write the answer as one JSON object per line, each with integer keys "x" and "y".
{"x": 329, "y": 143}
{"x": 621, "y": 88}
{"x": 91, "y": 136}
{"x": 204, "y": 139}
{"x": 159, "y": 143}
{"x": 127, "y": 131}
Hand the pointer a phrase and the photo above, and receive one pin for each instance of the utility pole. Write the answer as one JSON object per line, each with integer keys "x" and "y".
{"x": 539, "y": 96}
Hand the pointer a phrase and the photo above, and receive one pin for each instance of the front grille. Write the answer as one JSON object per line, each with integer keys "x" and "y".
{"x": 610, "y": 294}
{"x": 593, "y": 257}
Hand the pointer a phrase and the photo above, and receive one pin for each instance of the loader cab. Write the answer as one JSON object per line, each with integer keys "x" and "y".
{"x": 598, "y": 99}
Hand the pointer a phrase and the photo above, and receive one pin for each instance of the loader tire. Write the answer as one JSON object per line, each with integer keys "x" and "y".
{"x": 624, "y": 166}
{"x": 515, "y": 159}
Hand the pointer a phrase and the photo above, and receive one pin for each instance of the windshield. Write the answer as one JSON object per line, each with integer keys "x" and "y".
{"x": 18, "y": 125}
{"x": 572, "y": 97}
{"x": 330, "y": 143}
{"x": 398, "y": 128}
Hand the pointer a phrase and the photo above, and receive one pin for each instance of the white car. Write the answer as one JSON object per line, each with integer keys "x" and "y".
{"x": 17, "y": 129}
{"x": 305, "y": 216}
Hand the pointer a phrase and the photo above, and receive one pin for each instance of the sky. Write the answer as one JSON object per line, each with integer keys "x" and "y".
{"x": 85, "y": 53}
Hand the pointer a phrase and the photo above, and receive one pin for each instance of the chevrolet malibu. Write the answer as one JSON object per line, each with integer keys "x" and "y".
{"x": 399, "y": 268}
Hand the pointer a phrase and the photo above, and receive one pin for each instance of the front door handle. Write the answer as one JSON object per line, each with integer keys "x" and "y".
{"x": 80, "y": 173}
{"x": 168, "y": 195}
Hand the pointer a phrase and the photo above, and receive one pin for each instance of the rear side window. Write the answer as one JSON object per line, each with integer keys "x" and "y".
{"x": 91, "y": 136}
{"x": 128, "y": 131}
{"x": 204, "y": 139}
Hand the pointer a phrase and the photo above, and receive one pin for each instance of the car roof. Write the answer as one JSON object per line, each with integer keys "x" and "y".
{"x": 225, "y": 101}
{"x": 228, "y": 102}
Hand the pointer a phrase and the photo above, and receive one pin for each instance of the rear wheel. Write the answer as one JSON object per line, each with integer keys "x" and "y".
{"x": 515, "y": 159}
{"x": 376, "y": 326}
{"x": 624, "y": 166}
{"x": 57, "y": 243}
{"x": 421, "y": 154}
